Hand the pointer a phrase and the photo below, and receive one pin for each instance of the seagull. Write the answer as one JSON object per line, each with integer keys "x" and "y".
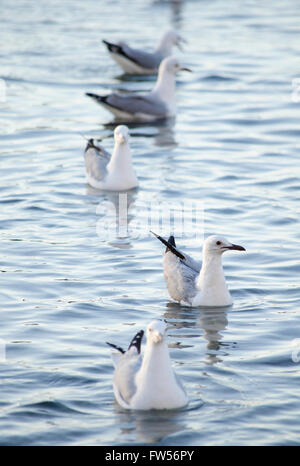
{"x": 137, "y": 61}
{"x": 158, "y": 104}
{"x": 147, "y": 382}
{"x": 115, "y": 172}
{"x": 191, "y": 284}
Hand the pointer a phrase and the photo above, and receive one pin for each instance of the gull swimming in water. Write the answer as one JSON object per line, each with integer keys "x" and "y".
{"x": 147, "y": 382}
{"x": 158, "y": 104}
{"x": 137, "y": 61}
{"x": 191, "y": 284}
{"x": 115, "y": 172}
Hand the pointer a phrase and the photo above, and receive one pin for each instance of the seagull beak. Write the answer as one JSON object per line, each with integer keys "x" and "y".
{"x": 157, "y": 337}
{"x": 185, "y": 69}
{"x": 121, "y": 138}
{"x": 235, "y": 247}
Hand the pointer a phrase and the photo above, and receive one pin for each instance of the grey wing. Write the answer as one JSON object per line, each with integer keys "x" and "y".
{"x": 144, "y": 59}
{"x": 180, "y": 278}
{"x": 96, "y": 160}
{"x": 188, "y": 286}
{"x": 191, "y": 263}
{"x": 124, "y": 377}
{"x": 134, "y": 104}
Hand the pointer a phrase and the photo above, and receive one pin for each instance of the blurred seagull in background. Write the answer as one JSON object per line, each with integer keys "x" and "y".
{"x": 191, "y": 284}
{"x": 158, "y": 104}
{"x": 110, "y": 172}
{"x": 147, "y": 382}
{"x": 137, "y": 61}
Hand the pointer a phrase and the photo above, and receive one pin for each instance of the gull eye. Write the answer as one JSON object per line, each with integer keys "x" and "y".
{"x": 218, "y": 243}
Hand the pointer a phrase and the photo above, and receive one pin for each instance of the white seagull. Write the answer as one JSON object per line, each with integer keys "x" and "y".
{"x": 137, "y": 61}
{"x": 115, "y": 172}
{"x": 158, "y": 104}
{"x": 191, "y": 284}
{"x": 147, "y": 382}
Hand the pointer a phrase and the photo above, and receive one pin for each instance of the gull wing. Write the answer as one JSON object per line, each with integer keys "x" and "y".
{"x": 180, "y": 271}
{"x": 180, "y": 279}
{"x": 96, "y": 160}
{"x": 143, "y": 59}
{"x": 127, "y": 365}
{"x": 133, "y": 104}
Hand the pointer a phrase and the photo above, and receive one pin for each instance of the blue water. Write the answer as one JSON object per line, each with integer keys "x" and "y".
{"x": 67, "y": 288}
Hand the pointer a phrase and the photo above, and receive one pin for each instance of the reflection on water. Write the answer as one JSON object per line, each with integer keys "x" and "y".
{"x": 213, "y": 321}
{"x": 185, "y": 316}
{"x": 148, "y": 427}
{"x": 234, "y": 146}
{"x": 115, "y": 212}
{"x": 176, "y": 8}
{"x": 131, "y": 78}
{"x": 160, "y": 132}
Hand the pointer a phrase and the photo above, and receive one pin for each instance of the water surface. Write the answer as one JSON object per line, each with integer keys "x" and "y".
{"x": 67, "y": 288}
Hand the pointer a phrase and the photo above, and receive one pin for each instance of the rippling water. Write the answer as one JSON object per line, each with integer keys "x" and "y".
{"x": 66, "y": 289}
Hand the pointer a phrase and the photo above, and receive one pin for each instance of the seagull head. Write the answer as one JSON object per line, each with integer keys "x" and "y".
{"x": 216, "y": 245}
{"x": 173, "y": 38}
{"x": 156, "y": 331}
{"x": 121, "y": 134}
{"x": 172, "y": 65}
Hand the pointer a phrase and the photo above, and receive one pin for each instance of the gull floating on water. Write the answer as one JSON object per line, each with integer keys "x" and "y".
{"x": 157, "y": 104}
{"x": 137, "y": 61}
{"x": 115, "y": 172}
{"x": 147, "y": 382}
{"x": 192, "y": 284}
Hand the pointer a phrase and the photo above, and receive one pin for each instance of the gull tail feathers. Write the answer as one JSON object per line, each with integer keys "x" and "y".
{"x": 116, "y": 347}
{"x": 137, "y": 341}
{"x": 91, "y": 145}
{"x": 99, "y": 149}
{"x": 170, "y": 244}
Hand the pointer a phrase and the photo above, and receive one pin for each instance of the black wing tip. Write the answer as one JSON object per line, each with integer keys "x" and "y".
{"x": 137, "y": 341}
{"x": 118, "y": 49}
{"x": 171, "y": 240}
{"x": 91, "y": 94}
{"x": 115, "y": 347}
{"x": 98, "y": 98}
{"x": 114, "y": 48}
{"x": 90, "y": 144}
{"x": 170, "y": 245}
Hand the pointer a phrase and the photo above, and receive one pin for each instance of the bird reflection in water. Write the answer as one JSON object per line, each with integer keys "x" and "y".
{"x": 176, "y": 7}
{"x": 212, "y": 320}
{"x": 114, "y": 214}
{"x": 149, "y": 426}
{"x": 161, "y": 132}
